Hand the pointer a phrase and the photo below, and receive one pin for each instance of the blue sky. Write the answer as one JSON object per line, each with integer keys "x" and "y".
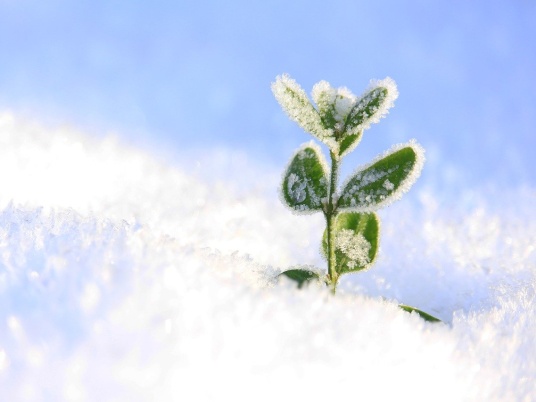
{"x": 188, "y": 74}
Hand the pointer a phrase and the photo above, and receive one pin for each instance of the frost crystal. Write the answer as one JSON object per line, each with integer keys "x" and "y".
{"x": 296, "y": 188}
{"x": 354, "y": 246}
{"x": 388, "y": 185}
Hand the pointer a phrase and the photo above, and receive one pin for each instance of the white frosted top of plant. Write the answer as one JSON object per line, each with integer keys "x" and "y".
{"x": 338, "y": 101}
{"x": 354, "y": 246}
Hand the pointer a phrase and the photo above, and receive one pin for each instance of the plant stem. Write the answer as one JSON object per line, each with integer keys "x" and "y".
{"x": 331, "y": 214}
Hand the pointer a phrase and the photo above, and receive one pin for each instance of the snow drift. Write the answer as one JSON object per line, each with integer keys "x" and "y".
{"x": 125, "y": 279}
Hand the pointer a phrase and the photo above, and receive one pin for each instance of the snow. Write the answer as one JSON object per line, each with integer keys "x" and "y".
{"x": 123, "y": 278}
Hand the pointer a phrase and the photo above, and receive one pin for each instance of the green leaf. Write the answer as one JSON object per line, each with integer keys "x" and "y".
{"x": 349, "y": 142}
{"x": 425, "y": 316}
{"x": 356, "y": 239}
{"x": 301, "y": 276}
{"x": 305, "y": 183}
{"x": 372, "y": 106}
{"x": 384, "y": 181}
{"x": 366, "y": 107}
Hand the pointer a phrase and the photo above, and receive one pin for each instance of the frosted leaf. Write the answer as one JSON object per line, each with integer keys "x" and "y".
{"x": 295, "y": 103}
{"x": 384, "y": 180}
{"x": 305, "y": 184}
{"x": 356, "y": 240}
{"x": 372, "y": 105}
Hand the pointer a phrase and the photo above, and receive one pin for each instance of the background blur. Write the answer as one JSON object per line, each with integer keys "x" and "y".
{"x": 179, "y": 76}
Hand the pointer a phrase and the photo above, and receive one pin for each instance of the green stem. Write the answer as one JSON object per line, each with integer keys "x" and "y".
{"x": 331, "y": 214}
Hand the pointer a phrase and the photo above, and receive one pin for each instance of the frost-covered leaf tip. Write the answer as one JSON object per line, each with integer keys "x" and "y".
{"x": 295, "y": 103}
{"x": 305, "y": 184}
{"x": 384, "y": 180}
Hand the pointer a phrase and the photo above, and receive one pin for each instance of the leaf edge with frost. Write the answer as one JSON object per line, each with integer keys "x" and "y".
{"x": 389, "y": 85}
{"x": 401, "y": 189}
{"x": 294, "y": 101}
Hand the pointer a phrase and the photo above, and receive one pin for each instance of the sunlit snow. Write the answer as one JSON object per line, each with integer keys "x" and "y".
{"x": 123, "y": 278}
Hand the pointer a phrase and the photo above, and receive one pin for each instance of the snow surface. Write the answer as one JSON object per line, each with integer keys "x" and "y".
{"x": 125, "y": 279}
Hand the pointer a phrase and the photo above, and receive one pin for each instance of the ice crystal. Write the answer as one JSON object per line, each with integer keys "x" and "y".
{"x": 388, "y": 185}
{"x": 354, "y": 246}
{"x": 296, "y": 188}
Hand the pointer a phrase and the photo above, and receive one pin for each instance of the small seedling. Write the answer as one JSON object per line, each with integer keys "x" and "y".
{"x": 351, "y": 239}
